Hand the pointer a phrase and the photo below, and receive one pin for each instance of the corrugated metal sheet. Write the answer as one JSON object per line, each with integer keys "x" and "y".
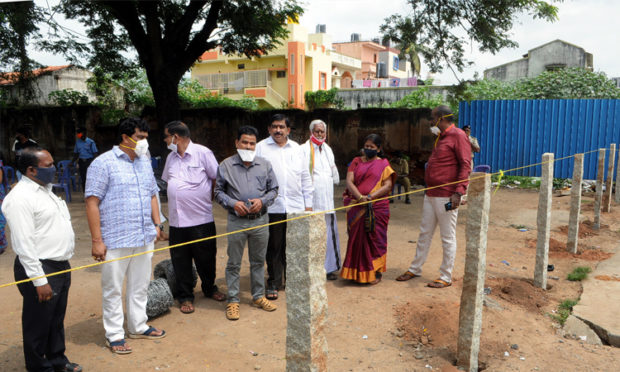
{"x": 516, "y": 133}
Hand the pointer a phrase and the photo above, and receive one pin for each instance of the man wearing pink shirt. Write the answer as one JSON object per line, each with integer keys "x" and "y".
{"x": 450, "y": 162}
{"x": 190, "y": 171}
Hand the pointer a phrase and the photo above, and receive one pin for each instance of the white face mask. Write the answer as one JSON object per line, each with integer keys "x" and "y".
{"x": 435, "y": 130}
{"x": 246, "y": 155}
{"x": 172, "y": 146}
{"x": 142, "y": 147}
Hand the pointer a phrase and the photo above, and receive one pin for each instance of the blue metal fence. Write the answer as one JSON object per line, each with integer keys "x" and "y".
{"x": 516, "y": 133}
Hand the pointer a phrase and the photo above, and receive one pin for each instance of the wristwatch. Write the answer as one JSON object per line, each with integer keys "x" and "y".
{"x": 161, "y": 226}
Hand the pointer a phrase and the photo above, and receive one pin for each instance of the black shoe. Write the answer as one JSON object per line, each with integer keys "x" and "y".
{"x": 392, "y": 200}
{"x": 332, "y": 276}
{"x": 407, "y": 201}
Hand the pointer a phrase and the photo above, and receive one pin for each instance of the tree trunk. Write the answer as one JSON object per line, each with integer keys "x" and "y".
{"x": 167, "y": 108}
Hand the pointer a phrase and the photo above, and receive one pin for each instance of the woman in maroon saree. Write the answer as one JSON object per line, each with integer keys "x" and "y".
{"x": 368, "y": 178}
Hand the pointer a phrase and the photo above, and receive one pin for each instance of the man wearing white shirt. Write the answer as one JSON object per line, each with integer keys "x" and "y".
{"x": 319, "y": 158}
{"x": 294, "y": 195}
{"x": 43, "y": 240}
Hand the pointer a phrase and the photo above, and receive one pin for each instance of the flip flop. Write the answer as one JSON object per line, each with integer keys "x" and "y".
{"x": 438, "y": 283}
{"x": 188, "y": 305}
{"x": 407, "y": 275}
{"x": 121, "y": 343}
{"x": 217, "y": 296}
{"x": 148, "y": 334}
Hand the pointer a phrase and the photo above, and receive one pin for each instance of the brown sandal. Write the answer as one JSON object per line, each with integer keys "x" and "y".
{"x": 218, "y": 296}
{"x": 407, "y": 275}
{"x": 438, "y": 283}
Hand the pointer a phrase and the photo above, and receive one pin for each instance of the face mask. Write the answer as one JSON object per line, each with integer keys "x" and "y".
{"x": 46, "y": 175}
{"x": 370, "y": 153}
{"x": 246, "y": 155}
{"x": 142, "y": 146}
{"x": 317, "y": 141}
{"x": 435, "y": 130}
{"x": 172, "y": 146}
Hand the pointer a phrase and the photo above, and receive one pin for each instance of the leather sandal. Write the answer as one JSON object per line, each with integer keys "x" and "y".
{"x": 407, "y": 275}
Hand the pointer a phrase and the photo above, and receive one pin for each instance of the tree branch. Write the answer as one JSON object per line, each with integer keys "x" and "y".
{"x": 127, "y": 15}
{"x": 178, "y": 35}
{"x": 153, "y": 32}
{"x": 199, "y": 44}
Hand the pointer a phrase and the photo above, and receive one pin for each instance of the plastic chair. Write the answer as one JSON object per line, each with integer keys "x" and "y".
{"x": 65, "y": 187}
{"x": 399, "y": 186}
{"x": 9, "y": 175}
{"x": 65, "y": 173}
{"x": 482, "y": 168}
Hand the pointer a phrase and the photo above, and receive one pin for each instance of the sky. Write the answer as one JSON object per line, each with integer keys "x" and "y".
{"x": 585, "y": 23}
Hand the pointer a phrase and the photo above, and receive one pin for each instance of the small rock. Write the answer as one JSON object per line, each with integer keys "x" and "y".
{"x": 419, "y": 356}
{"x": 506, "y": 354}
{"x": 257, "y": 367}
{"x": 365, "y": 337}
{"x": 553, "y": 277}
{"x": 400, "y": 354}
{"x": 522, "y": 358}
{"x": 514, "y": 347}
{"x": 487, "y": 290}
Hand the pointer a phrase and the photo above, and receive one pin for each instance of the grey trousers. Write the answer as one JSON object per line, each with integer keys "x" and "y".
{"x": 257, "y": 248}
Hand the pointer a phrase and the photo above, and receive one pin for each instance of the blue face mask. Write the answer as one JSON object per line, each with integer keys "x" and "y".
{"x": 370, "y": 153}
{"x": 46, "y": 175}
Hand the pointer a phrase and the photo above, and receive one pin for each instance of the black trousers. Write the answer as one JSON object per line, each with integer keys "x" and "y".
{"x": 276, "y": 252}
{"x": 43, "y": 327}
{"x": 203, "y": 254}
{"x": 83, "y": 167}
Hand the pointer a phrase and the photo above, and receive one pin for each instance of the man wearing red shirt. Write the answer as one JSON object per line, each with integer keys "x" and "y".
{"x": 450, "y": 161}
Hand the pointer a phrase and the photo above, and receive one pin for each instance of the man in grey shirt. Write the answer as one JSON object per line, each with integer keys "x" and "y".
{"x": 246, "y": 186}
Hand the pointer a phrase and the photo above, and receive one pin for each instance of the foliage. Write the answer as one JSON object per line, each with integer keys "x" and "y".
{"x": 323, "y": 99}
{"x": 561, "y": 183}
{"x": 446, "y": 27}
{"x": 579, "y": 274}
{"x": 568, "y": 83}
{"x": 68, "y": 97}
{"x": 402, "y": 31}
{"x": 421, "y": 97}
{"x": 520, "y": 182}
{"x": 194, "y": 95}
{"x": 564, "y": 310}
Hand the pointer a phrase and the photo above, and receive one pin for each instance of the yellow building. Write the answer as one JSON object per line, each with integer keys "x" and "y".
{"x": 303, "y": 62}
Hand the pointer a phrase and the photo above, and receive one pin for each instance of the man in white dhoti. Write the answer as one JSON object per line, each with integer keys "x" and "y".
{"x": 319, "y": 158}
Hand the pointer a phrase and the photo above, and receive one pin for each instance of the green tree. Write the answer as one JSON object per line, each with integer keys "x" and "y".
{"x": 402, "y": 31}
{"x": 421, "y": 97}
{"x": 445, "y": 27}
{"x": 168, "y": 36}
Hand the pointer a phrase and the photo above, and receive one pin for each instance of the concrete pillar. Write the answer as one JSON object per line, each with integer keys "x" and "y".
{"x": 575, "y": 205}
{"x": 306, "y": 297}
{"x": 472, "y": 295}
{"x": 543, "y": 221}
{"x": 610, "y": 179}
{"x": 598, "y": 198}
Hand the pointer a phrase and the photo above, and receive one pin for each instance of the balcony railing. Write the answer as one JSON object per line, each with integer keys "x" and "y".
{"x": 235, "y": 82}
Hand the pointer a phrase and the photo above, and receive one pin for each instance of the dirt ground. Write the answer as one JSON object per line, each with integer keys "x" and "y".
{"x": 393, "y": 326}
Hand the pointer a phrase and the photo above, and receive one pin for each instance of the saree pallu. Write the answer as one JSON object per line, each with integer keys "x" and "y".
{"x": 367, "y": 248}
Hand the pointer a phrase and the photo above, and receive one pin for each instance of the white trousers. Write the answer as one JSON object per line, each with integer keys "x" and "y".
{"x": 434, "y": 213}
{"x": 137, "y": 270}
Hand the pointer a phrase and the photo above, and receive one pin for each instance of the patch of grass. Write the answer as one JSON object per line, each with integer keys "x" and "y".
{"x": 579, "y": 274}
{"x": 586, "y": 201}
{"x": 564, "y": 310}
{"x": 518, "y": 227}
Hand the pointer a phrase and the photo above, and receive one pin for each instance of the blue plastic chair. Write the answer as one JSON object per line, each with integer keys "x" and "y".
{"x": 65, "y": 187}
{"x": 155, "y": 162}
{"x": 66, "y": 173}
{"x": 9, "y": 175}
{"x": 482, "y": 168}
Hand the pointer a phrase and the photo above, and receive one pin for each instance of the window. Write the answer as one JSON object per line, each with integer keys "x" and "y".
{"x": 292, "y": 62}
{"x": 395, "y": 64}
{"x": 280, "y": 74}
{"x": 322, "y": 80}
{"x": 292, "y": 94}
{"x": 241, "y": 66}
{"x": 374, "y": 58}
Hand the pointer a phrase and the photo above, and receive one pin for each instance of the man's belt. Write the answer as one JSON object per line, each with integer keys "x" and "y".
{"x": 253, "y": 216}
